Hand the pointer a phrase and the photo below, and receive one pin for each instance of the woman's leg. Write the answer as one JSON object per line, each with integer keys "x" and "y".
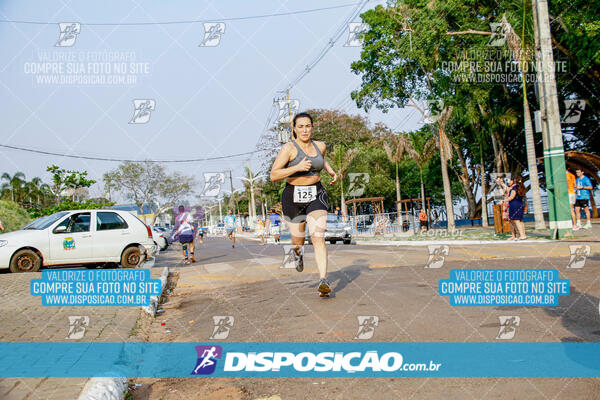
{"x": 317, "y": 221}
{"x": 521, "y": 228}
{"x": 513, "y": 229}
{"x": 297, "y": 231}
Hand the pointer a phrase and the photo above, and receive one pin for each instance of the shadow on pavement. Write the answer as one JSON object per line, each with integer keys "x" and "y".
{"x": 341, "y": 278}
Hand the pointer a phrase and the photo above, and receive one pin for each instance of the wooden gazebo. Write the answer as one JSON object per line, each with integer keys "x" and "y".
{"x": 402, "y": 205}
{"x": 376, "y": 202}
{"x": 590, "y": 165}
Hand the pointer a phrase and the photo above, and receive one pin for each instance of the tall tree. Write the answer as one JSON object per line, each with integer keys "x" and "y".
{"x": 396, "y": 146}
{"x": 14, "y": 184}
{"x": 340, "y": 160}
{"x": 150, "y": 183}
{"x": 421, "y": 149}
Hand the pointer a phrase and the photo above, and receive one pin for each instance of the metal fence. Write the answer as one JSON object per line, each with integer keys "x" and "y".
{"x": 384, "y": 223}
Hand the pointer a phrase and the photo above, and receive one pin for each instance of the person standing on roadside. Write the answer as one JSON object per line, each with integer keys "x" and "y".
{"x": 571, "y": 182}
{"x": 584, "y": 189}
{"x": 423, "y": 220}
{"x": 516, "y": 207}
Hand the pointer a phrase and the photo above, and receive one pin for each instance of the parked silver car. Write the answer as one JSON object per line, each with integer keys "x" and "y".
{"x": 336, "y": 229}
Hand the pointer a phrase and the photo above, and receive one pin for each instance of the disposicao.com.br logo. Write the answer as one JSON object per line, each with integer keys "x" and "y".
{"x": 369, "y": 361}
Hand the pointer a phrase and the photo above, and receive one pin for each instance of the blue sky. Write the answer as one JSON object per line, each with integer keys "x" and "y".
{"x": 209, "y": 101}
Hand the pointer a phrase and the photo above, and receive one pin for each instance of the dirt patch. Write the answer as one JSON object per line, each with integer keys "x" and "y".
{"x": 186, "y": 388}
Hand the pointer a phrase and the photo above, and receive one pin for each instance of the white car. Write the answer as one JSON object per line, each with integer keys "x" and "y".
{"x": 160, "y": 239}
{"x": 77, "y": 237}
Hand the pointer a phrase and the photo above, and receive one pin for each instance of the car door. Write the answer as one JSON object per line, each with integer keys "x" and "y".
{"x": 111, "y": 236}
{"x": 71, "y": 240}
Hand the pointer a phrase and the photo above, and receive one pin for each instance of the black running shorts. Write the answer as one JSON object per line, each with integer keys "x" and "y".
{"x": 297, "y": 212}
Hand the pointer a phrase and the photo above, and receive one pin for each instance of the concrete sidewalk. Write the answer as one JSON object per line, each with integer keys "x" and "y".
{"x": 24, "y": 319}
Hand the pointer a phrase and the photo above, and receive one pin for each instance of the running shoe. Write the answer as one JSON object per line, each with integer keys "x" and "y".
{"x": 187, "y": 262}
{"x": 324, "y": 288}
{"x": 193, "y": 259}
{"x": 576, "y": 227}
{"x": 587, "y": 226}
{"x": 299, "y": 261}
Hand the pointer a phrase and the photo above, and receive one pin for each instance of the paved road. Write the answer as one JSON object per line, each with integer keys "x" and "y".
{"x": 274, "y": 304}
{"x": 269, "y": 303}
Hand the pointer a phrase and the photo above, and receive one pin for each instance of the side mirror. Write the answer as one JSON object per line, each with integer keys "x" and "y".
{"x": 60, "y": 229}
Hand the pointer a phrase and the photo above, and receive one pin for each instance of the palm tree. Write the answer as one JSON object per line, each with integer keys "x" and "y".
{"x": 252, "y": 183}
{"x": 340, "y": 160}
{"x": 421, "y": 148}
{"x": 445, "y": 154}
{"x": 395, "y": 147}
{"x": 34, "y": 189}
{"x": 516, "y": 45}
{"x": 13, "y": 183}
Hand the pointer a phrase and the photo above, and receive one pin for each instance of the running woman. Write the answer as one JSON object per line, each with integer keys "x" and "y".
{"x": 304, "y": 198}
{"x": 230, "y": 224}
{"x": 184, "y": 232}
{"x": 273, "y": 225}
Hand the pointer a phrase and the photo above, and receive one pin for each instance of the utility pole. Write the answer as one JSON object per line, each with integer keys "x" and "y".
{"x": 554, "y": 152}
{"x": 231, "y": 200}
{"x": 287, "y": 91}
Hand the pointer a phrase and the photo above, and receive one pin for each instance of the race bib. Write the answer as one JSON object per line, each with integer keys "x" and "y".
{"x": 304, "y": 194}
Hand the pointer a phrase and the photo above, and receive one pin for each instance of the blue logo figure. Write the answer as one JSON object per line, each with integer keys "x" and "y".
{"x": 207, "y": 359}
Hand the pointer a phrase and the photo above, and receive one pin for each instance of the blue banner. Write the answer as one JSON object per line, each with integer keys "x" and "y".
{"x": 99, "y": 287}
{"x": 223, "y": 359}
{"x": 504, "y": 287}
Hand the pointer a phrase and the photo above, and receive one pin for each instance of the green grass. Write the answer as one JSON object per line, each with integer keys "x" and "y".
{"x": 13, "y": 217}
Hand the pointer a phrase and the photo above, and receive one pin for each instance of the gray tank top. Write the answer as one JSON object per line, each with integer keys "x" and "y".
{"x": 317, "y": 161}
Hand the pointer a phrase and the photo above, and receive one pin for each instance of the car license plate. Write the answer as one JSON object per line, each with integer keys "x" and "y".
{"x": 304, "y": 194}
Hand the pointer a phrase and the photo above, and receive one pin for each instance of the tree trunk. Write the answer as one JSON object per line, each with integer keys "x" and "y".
{"x": 484, "y": 216}
{"x": 446, "y": 180}
{"x": 398, "y": 199}
{"x": 422, "y": 188}
{"x": 343, "y": 201}
{"x": 515, "y": 44}
{"x": 533, "y": 171}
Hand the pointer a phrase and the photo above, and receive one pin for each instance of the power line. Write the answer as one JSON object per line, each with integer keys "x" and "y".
{"x": 329, "y": 44}
{"x": 126, "y": 160}
{"x": 187, "y": 21}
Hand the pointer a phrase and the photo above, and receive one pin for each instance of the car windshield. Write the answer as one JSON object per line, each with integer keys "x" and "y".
{"x": 44, "y": 222}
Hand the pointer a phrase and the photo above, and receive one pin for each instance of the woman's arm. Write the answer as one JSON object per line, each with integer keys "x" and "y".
{"x": 511, "y": 196}
{"x": 278, "y": 172}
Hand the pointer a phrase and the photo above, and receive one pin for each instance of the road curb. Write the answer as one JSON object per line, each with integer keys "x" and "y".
{"x": 104, "y": 389}
{"x": 449, "y": 242}
{"x": 151, "y": 309}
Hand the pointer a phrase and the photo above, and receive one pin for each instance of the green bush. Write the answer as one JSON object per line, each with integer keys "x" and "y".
{"x": 13, "y": 216}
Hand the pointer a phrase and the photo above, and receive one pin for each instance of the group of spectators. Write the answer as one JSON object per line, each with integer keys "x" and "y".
{"x": 515, "y": 201}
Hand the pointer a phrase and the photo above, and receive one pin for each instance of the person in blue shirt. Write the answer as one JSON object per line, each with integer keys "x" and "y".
{"x": 273, "y": 223}
{"x": 583, "y": 190}
{"x": 230, "y": 225}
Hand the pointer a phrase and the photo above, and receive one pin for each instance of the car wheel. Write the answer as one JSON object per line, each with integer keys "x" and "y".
{"x": 25, "y": 261}
{"x": 131, "y": 257}
{"x": 333, "y": 241}
{"x": 348, "y": 241}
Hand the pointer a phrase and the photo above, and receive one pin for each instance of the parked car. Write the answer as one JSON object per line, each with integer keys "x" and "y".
{"x": 77, "y": 237}
{"x": 336, "y": 229}
{"x": 159, "y": 237}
